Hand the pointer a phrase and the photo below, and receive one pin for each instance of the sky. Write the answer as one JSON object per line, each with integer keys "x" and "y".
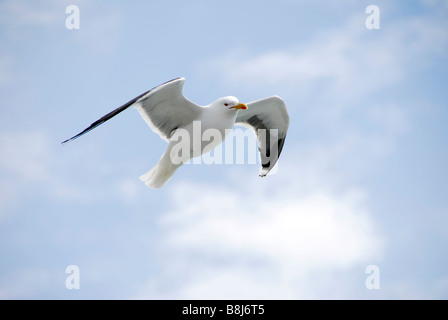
{"x": 361, "y": 185}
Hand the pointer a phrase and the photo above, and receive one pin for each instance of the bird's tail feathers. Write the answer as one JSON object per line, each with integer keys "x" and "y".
{"x": 159, "y": 174}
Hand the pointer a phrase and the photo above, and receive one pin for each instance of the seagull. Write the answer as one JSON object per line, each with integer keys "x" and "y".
{"x": 172, "y": 116}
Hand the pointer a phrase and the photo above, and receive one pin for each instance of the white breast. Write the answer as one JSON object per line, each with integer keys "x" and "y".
{"x": 205, "y": 134}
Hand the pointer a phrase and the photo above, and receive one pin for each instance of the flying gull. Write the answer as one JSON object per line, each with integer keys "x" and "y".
{"x": 172, "y": 116}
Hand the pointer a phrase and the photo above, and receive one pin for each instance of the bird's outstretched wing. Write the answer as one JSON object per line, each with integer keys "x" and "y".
{"x": 270, "y": 120}
{"x": 164, "y": 108}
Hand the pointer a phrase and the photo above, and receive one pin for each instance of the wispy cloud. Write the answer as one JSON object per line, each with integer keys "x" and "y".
{"x": 99, "y": 29}
{"x": 32, "y": 165}
{"x": 25, "y": 155}
{"x": 17, "y": 14}
{"x": 231, "y": 248}
{"x": 349, "y": 59}
{"x": 441, "y": 4}
{"x": 7, "y": 75}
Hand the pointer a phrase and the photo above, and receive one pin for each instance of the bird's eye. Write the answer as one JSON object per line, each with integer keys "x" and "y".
{"x": 226, "y": 104}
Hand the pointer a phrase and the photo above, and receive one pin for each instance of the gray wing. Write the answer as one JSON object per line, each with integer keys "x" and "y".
{"x": 164, "y": 108}
{"x": 270, "y": 120}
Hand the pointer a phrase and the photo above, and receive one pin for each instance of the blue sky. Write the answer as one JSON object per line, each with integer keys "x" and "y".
{"x": 362, "y": 179}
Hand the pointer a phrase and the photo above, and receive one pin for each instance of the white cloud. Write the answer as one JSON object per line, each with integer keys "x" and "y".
{"x": 25, "y": 155}
{"x": 129, "y": 190}
{"x": 7, "y": 75}
{"x": 99, "y": 29}
{"x": 254, "y": 244}
{"x": 8, "y": 197}
{"x": 24, "y": 163}
{"x": 391, "y": 117}
{"x": 28, "y": 282}
{"x": 18, "y": 14}
{"x": 441, "y": 4}
{"x": 329, "y": 58}
{"x": 32, "y": 165}
{"x": 100, "y": 33}
{"x": 343, "y": 64}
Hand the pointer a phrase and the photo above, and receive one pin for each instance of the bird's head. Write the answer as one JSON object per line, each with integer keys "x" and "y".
{"x": 229, "y": 103}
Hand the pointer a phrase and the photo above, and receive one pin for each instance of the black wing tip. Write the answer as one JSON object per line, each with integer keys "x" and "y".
{"x": 68, "y": 140}
{"x": 71, "y": 139}
{"x": 117, "y": 111}
{"x": 267, "y": 166}
{"x": 93, "y": 126}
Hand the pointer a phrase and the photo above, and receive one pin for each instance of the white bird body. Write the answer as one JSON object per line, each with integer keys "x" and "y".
{"x": 192, "y": 130}
{"x": 212, "y": 118}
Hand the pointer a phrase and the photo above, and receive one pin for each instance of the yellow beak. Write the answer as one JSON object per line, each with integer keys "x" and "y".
{"x": 239, "y": 106}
